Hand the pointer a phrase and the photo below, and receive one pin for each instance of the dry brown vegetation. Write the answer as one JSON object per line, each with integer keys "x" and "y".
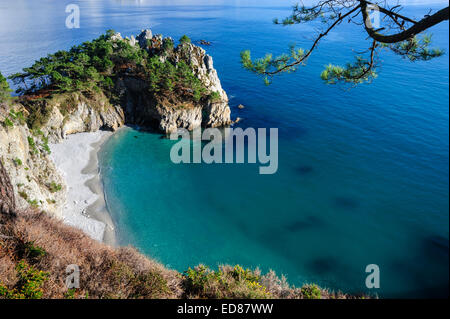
{"x": 48, "y": 245}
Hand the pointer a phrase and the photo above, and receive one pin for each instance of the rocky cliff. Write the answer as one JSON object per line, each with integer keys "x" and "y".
{"x": 7, "y": 198}
{"x": 32, "y": 174}
{"x": 169, "y": 112}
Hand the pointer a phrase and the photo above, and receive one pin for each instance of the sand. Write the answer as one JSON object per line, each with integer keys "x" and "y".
{"x": 85, "y": 207}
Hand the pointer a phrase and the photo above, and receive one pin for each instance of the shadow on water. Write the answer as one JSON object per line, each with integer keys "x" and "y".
{"x": 305, "y": 170}
{"x": 347, "y": 203}
{"x": 423, "y": 283}
{"x": 436, "y": 247}
{"x": 323, "y": 265}
{"x": 305, "y": 224}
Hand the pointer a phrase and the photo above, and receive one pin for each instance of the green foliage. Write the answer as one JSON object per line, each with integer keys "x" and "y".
{"x": 214, "y": 96}
{"x": 70, "y": 294}
{"x": 268, "y": 65}
{"x": 359, "y": 72}
{"x": 168, "y": 45}
{"x": 5, "y": 91}
{"x": 167, "y": 77}
{"x": 82, "y": 68}
{"x": 185, "y": 39}
{"x": 311, "y": 292}
{"x": 44, "y": 144}
{"x": 33, "y": 203}
{"x": 33, "y": 251}
{"x": 32, "y": 145}
{"x": 17, "y": 116}
{"x": 17, "y": 162}
{"x": 150, "y": 284}
{"x": 29, "y": 285}
{"x": 227, "y": 282}
{"x": 7, "y": 123}
{"x": 39, "y": 113}
{"x": 332, "y": 14}
{"x": 53, "y": 187}
{"x": 416, "y": 49}
{"x": 93, "y": 66}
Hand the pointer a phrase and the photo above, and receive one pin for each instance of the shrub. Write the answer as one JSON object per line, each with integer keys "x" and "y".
{"x": 214, "y": 96}
{"x": 23, "y": 195}
{"x": 5, "y": 91}
{"x": 39, "y": 113}
{"x": 168, "y": 44}
{"x": 33, "y": 203}
{"x": 17, "y": 116}
{"x": 32, "y": 145}
{"x": 29, "y": 284}
{"x": 311, "y": 292}
{"x": 227, "y": 282}
{"x": 33, "y": 251}
{"x": 53, "y": 187}
{"x": 185, "y": 39}
{"x": 17, "y": 162}
{"x": 167, "y": 77}
{"x": 8, "y": 123}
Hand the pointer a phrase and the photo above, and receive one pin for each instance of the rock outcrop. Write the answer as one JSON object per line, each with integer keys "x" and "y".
{"x": 7, "y": 198}
{"x": 33, "y": 176}
{"x": 169, "y": 114}
{"x": 86, "y": 115}
{"x": 138, "y": 106}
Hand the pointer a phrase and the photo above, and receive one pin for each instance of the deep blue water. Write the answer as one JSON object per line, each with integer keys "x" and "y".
{"x": 363, "y": 173}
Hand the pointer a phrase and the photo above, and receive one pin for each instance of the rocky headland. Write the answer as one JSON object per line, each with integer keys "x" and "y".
{"x": 101, "y": 85}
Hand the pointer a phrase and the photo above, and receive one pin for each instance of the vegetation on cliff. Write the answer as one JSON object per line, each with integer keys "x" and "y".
{"x": 5, "y": 91}
{"x": 93, "y": 68}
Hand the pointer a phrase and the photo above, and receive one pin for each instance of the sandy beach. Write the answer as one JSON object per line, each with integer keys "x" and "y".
{"x": 85, "y": 207}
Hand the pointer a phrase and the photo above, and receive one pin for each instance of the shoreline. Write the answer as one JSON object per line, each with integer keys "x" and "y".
{"x": 76, "y": 158}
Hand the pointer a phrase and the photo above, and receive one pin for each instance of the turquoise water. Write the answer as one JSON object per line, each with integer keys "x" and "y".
{"x": 363, "y": 174}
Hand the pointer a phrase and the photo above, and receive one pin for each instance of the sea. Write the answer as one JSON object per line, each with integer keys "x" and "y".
{"x": 363, "y": 172}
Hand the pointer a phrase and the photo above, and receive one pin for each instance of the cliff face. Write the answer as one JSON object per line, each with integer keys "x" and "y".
{"x": 33, "y": 176}
{"x": 7, "y": 198}
{"x": 85, "y": 115}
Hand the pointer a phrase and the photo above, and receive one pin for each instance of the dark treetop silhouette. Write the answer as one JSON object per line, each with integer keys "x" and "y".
{"x": 403, "y": 35}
